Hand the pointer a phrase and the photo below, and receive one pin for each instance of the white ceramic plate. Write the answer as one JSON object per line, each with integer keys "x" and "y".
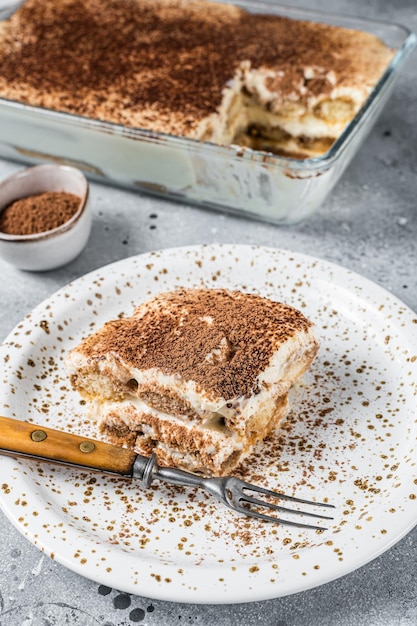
{"x": 351, "y": 438}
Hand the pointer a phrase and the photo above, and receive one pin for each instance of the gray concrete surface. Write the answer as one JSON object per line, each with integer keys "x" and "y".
{"x": 369, "y": 225}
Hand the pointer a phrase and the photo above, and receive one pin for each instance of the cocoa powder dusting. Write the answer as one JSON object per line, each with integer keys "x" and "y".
{"x": 220, "y": 339}
{"x": 38, "y": 213}
{"x": 163, "y": 64}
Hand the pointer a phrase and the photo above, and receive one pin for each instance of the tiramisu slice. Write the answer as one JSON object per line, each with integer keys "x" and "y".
{"x": 193, "y": 68}
{"x": 197, "y": 376}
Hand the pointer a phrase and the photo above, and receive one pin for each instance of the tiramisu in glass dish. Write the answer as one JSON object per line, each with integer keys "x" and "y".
{"x": 235, "y": 103}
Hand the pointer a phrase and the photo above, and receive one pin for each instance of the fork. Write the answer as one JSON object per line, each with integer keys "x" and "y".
{"x": 19, "y": 438}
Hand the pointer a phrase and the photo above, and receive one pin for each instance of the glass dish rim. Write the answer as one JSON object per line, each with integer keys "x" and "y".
{"x": 235, "y": 151}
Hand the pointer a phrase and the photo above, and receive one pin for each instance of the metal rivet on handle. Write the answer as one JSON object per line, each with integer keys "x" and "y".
{"x": 87, "y": 446}
{"x": 38, "y": 435}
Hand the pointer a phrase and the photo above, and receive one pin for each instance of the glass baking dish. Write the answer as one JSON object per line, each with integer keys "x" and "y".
{"x": 240, "y": 180}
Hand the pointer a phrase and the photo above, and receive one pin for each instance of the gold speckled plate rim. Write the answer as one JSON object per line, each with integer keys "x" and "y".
{"x": 351, "y": 437}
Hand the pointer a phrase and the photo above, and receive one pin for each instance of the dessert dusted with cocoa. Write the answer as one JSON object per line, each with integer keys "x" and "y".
{"x": 197, "y": 376}
{"x": 38, "y": 213}
{"x": 191, "y": 68}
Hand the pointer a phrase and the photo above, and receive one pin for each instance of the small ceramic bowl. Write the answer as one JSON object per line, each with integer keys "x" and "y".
{"x": 52, "y": 248}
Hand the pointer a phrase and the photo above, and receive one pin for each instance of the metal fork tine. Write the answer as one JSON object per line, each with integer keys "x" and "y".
{"x": 283, "y": 496}
{"x": 243, "y": 498}
{"x": 283, "y": 509}
{"x": 270, "y": 518}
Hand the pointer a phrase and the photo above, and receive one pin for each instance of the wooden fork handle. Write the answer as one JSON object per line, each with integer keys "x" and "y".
{"x": 19, "y": 438}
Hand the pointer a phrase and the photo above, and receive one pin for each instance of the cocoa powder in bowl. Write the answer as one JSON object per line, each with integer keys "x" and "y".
{"x": 38, "y": 213}
{"x": 45, "y": 216}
